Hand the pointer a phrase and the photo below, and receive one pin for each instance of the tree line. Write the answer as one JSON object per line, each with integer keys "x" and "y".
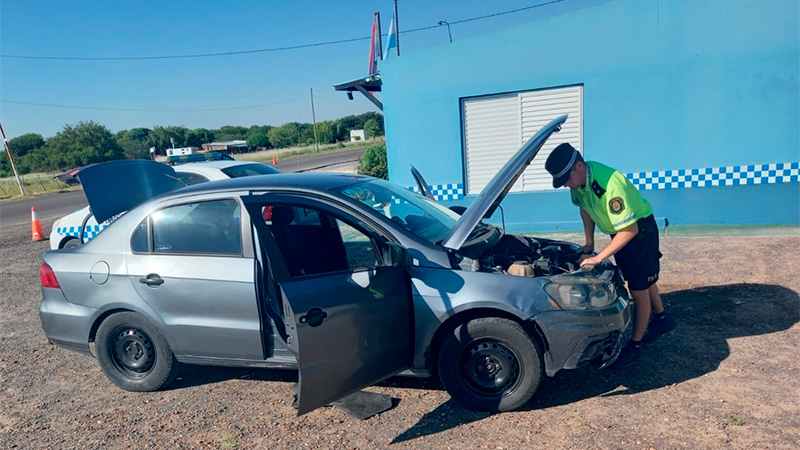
{"x": 90, "y": 142}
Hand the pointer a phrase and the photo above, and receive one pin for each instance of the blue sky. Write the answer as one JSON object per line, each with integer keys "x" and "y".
{"x": 269, "y": 88}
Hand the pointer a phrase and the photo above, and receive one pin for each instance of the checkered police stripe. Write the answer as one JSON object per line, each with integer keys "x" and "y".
{"x": 451, "y": 191}
{"x": 88, "y": 233}
{"x": 717, "y": 176}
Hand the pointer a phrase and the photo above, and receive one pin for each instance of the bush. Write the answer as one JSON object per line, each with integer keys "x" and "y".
{"x": 373, "y": 162}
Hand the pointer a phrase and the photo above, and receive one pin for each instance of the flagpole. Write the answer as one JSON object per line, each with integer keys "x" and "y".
{"x": 380, "y": 38}
{"x": 396, "y": 28}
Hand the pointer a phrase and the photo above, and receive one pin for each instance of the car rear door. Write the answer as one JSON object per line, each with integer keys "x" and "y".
{"x": 187, "y": 263}
{"x": 349, "y": 325}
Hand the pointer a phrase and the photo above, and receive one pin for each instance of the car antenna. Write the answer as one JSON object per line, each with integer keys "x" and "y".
{"x": 177, "y": 179}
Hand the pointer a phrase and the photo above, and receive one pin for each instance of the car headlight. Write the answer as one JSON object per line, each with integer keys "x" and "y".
{"x": 56, "y": 223}
{"x": 581, "y": 293}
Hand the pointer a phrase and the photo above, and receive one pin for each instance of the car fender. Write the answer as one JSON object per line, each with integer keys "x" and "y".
{"x": 440, "y": 294}
{"x": 116, "y": 307}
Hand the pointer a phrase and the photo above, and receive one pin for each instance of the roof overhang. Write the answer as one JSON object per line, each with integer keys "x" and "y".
{"x": 366, "y": 86}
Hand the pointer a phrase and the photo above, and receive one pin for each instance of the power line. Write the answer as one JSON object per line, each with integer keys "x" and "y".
{"x": 143, "y": 97}
{"x": 265, "y": 50}
{"x": 338, "y": 103}
{"x": 100, "y": 108}
{"x": 472, "y": 19}
{"x": 199, "y": 55}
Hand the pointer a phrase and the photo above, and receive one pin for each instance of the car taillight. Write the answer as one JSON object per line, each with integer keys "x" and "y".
{"x": 48, "y": 277}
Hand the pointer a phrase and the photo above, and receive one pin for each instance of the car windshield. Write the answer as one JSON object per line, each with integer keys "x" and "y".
{"x": 247, "y": 170}
{"x": 420, "y": 215}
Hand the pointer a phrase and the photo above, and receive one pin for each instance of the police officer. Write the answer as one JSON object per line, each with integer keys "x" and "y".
{"x": 609, "y": 201}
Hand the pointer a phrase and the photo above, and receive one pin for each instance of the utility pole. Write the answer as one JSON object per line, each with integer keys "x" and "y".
{"x": 11, "y": 160}
{"x": 314, "y": 118}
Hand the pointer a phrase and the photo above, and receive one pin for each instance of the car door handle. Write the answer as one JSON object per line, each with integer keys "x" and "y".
{"x": 314, "y": 317}
{"x": 152, "y": 280}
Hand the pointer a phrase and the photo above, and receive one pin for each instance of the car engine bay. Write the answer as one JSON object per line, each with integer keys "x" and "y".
{"x": 525, "y": 256}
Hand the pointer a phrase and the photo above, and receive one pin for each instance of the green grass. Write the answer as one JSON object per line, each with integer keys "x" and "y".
{"x": 229, "y": 441}
{"x": 34, "y": 183}
{"x": 733, "y": 420}
{"x": 292, "y": 152}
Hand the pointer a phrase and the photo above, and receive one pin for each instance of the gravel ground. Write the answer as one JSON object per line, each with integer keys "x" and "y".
{"x": 727, "y": 377}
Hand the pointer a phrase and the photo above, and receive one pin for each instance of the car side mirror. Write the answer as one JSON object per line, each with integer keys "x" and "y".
{"x": 394, "y": 254}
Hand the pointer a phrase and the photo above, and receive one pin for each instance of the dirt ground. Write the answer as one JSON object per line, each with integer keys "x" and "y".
{"x": 727, "y": 377}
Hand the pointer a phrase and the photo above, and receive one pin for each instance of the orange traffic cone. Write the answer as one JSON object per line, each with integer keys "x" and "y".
{"x": 274, "y": 160}
{"x": 36, "y": 227}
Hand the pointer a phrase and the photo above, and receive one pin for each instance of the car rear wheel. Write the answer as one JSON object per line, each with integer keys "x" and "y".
{"x": 134, "y": 354}
{"x": 70, "y": 243}
{"x": 490, "y": 364}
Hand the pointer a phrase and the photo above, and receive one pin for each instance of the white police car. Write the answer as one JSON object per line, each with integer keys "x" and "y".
{"x": 66, "y": 231}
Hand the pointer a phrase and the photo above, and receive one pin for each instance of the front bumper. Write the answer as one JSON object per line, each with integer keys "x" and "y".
{"x": 65, "y": 324}
{"x": 577, "y": 338}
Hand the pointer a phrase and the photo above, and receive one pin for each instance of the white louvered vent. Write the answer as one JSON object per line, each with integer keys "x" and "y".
{"x": 491, "y": 136}
{"x": 495, "y": 127}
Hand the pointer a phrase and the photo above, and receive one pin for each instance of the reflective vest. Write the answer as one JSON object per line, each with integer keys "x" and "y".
{"x": 611, "y": 200}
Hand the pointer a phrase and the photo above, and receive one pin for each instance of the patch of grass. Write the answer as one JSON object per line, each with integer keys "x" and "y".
{"x": 733, "y": 420}
{"x": 229, "y": 441}
{"x": 286, "y": 153}
{"x": 34, "y": 183}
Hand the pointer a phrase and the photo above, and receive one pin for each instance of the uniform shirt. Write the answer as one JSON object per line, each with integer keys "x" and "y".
{"x": 611, "y": 200}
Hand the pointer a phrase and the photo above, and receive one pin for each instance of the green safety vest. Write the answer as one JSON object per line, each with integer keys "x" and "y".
{"x": 611, "y": 200}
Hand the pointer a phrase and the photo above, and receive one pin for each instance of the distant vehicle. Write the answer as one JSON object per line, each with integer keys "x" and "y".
{"x": 66, "y": 231}
{"x": 350, "y": 279}
{"x": 182, "y": 151}
{"x": 68, "y": 177}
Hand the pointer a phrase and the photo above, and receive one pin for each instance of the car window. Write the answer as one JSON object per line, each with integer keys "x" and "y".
{"x": 210, "y": 227}
{"x": 247, "y": 170}
{"x": 313, "y": 242}
{"x": 191, "y": 178}
{"x": 139, "y": 243}
{"x": 424, "y": 217}
{"x": 358, "y": 247}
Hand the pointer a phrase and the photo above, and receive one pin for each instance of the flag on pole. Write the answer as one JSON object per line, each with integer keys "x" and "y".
{"x": 374, "y": 47}
{"x": 391, "y": 40}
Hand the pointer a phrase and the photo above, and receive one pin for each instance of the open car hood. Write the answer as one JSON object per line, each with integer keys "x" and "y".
{"x": 117, "y": 186}
{"x": 494, "y": 192}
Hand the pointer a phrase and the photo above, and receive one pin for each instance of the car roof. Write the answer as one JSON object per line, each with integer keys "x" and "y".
{"x": 213, "y": 168}
{"x": 316, "y": 180}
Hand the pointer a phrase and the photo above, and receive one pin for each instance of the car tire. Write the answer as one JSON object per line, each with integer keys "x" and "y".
{"x": 490, "y": 364}
{"x": 71, "y": 243}
{"x": 134, "y": 354}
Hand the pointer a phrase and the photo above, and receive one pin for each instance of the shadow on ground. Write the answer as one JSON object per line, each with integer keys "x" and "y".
{"x": 707, "y": 316}
{"x": 192, "y": 375}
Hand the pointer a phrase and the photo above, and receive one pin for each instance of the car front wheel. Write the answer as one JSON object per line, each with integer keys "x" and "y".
{"x": 134, "y": 354}
{"x": 490, "y": 364}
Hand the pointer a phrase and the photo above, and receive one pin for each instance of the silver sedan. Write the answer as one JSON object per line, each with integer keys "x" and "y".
{"x": 349, "y": 279}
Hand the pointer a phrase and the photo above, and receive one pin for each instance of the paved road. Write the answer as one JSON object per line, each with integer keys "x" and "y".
{"x": 58, "y": 205}
{"x": 47, "y": 207}
{"x": 311, "y": 162}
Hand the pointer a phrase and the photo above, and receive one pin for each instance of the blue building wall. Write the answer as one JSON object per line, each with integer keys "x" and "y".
{"x": 668, "y": 85}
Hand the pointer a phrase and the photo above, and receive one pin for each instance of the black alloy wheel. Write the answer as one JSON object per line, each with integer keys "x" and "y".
{"x": 490, "y": 364}
{"x": 489, "y": 367}
{"x": 134, "y": 354}
{"x": 132, "y": 351}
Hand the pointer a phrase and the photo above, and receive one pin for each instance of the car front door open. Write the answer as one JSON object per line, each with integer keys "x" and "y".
{"x": 343, "y": 295}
